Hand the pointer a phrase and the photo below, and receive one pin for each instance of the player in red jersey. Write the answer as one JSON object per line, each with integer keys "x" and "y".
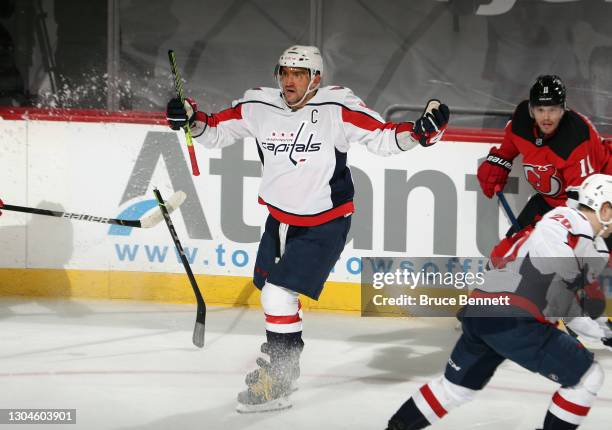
{"x": 560, "y": 148}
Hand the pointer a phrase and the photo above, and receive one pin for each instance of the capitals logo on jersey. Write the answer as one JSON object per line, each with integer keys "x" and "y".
{"x": 295, "y": 144}
{"x": 544, "y": 179}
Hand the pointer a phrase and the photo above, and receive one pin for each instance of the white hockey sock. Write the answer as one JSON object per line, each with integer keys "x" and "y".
{"x": 572, "y": 404}
{"x": 282, "y": 308}
{"x": 439, "y": 396}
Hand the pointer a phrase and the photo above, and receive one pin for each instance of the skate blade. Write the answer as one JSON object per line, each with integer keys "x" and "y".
{"x": 273, "y": 405}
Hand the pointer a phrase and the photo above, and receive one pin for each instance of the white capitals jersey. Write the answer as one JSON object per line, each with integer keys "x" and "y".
{"x": 306, "y": 180}
{"x": 545, "y": 268}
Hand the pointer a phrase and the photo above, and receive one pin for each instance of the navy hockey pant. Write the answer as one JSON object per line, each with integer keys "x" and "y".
{"x": 309, "y": 257}
{"x": 542, "y": 348}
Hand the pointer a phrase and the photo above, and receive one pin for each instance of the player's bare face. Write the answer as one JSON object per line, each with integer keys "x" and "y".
{"x": 294, "y": 82}
{"x": 548, "y": 117}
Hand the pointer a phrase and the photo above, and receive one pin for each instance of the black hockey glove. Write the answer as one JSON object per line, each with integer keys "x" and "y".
{"x": 178, "y": 114}
{"x": 431, "y": 126}
{"x": 590, "y": 295}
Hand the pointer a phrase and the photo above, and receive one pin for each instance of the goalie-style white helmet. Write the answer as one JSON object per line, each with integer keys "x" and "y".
{"x": 307, "y": 57}
{"x": 594, "y": 192}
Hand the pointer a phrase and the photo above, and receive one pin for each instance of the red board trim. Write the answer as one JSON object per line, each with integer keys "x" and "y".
{"x": 472, "y": 135}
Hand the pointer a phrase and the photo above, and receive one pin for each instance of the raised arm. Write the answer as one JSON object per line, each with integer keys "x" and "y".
{"x": 364, "y": 125}
{"x": 215, "y": 130}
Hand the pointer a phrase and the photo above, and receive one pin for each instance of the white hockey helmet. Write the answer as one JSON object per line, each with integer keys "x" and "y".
{"x": 594, "y": 192}
{"x": 306, "y": 57}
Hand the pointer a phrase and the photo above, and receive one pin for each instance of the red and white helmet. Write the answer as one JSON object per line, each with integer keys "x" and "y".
{"x": 307, "y": 57}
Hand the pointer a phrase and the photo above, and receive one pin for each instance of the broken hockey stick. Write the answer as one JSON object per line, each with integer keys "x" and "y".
{"x": 507, "y": 209}
{"x": 178, "y": 86}
{"x": 148, "y": 221}
{"x": 198, "y": 331}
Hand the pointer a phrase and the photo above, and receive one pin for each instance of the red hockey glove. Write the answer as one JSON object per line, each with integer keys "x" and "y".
{"x": 431, "y": 126}
{"x": 493, "y": 173}
{"x": 178, "y": 114}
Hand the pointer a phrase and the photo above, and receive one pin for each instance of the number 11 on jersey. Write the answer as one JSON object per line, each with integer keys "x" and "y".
{"x": 585, "y": 167}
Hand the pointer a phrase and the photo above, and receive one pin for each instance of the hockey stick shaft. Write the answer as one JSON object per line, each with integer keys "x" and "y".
{"x": 508, "y": 210}
{"x": 180, "y": 92}
{"x": 148, "y": 221}
{"x": 198, "y": 332}
{"x": 70, "y": 215}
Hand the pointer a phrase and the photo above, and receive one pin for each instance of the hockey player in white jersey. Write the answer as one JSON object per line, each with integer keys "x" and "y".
{"x": 549, "y": 274}
{"x": 303, "y": 132}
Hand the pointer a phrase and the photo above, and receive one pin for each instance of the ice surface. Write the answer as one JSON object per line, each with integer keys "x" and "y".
{"x": 126, "y": 365}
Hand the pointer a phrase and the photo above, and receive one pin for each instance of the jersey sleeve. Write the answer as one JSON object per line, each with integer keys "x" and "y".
{"x": 555, "y": 244}
{"x": 599, "y": 152}
{"x": 508, "y": 149}
{"x": 607, "y": 168}
{"x": 567, "y": 244}
{"x": 218, "y": 130}
{"x": 365, "y": 126}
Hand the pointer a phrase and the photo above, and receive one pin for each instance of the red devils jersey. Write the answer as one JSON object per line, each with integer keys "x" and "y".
{"x": 552, "y": 163}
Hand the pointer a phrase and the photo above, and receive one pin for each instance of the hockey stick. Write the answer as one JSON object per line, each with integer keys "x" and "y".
{"x": 178, "y": 86}
{"x": 507, "y": 209}
{"x": 198, "y": 331}
{"x": 147, "y": 221}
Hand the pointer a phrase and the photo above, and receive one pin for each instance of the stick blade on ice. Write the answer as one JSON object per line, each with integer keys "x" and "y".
{"x": 198, "y": 334}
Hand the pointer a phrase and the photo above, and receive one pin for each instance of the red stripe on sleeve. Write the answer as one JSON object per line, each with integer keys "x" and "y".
{"x": 283, "y": 319}
{"x": 432, "y": 401}
{"x": 573, "y": 408}
{"x": 362, "y": 120}
{"x": 225, "y": 115}
{"x": 572, "y": 240}
{"x": 404, "y": 126}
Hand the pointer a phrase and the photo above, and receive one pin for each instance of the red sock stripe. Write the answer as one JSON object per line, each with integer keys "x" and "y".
{"x": 573, "y": 408}
{"x": 283, "y": 319}
{"x": 433, "y": 402}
